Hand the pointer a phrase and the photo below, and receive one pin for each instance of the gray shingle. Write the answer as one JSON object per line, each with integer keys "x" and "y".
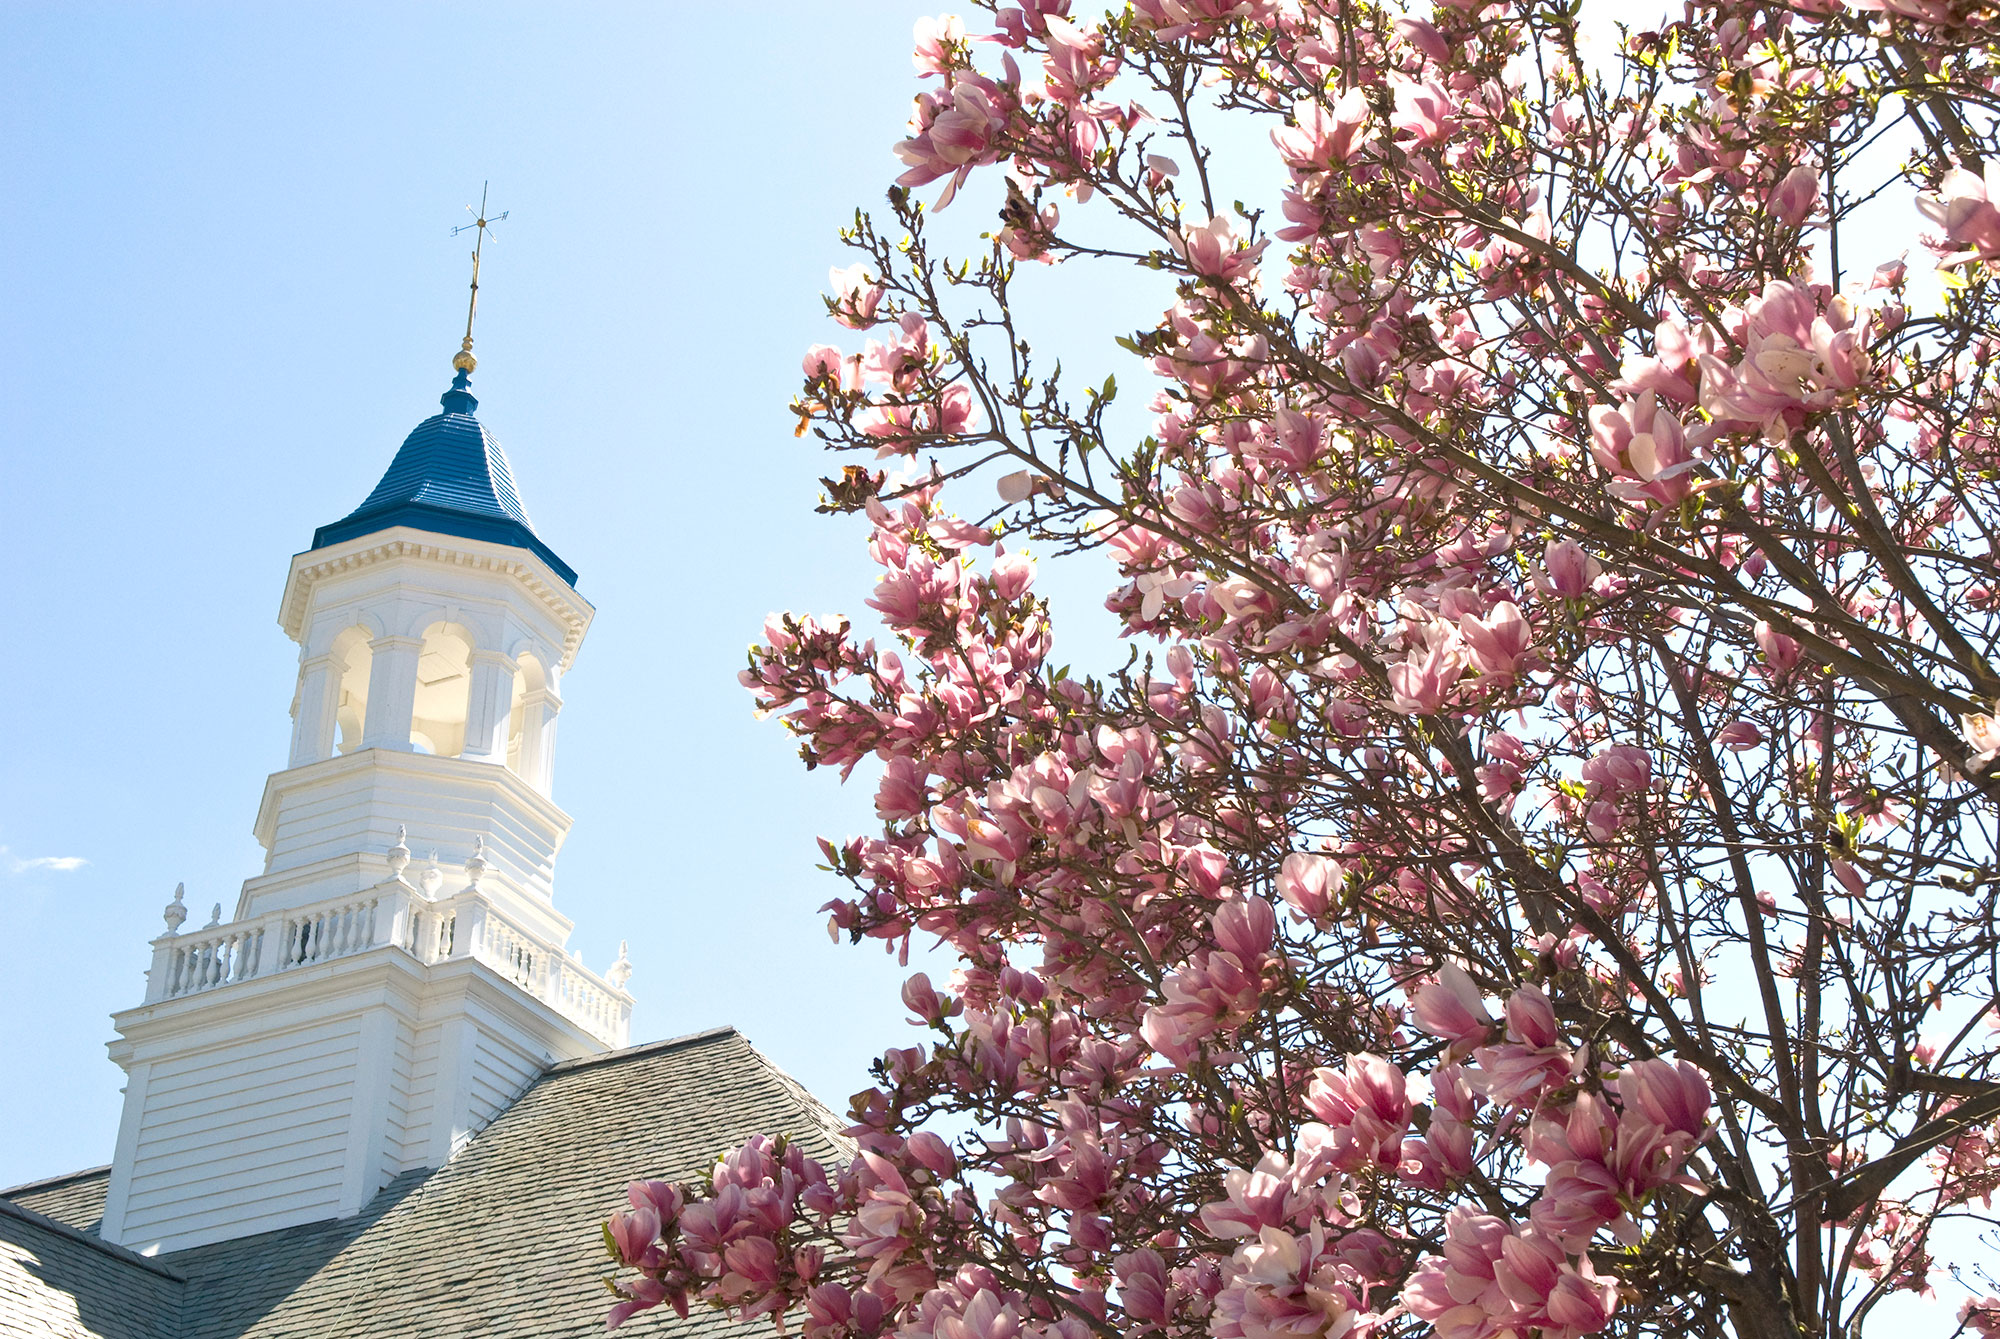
{"x": 503, "y": 1239}
{"x": 59, "y": 1283}
{"x": 76, "y": 1199}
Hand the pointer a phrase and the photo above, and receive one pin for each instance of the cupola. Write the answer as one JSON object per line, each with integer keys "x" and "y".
{"x": 397, "y": 972}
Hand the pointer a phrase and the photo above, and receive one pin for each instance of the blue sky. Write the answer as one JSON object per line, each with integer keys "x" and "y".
{"x": 229, "y": 291}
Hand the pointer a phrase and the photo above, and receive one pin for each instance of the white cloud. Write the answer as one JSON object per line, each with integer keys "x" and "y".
{"x": 61, "y": 864}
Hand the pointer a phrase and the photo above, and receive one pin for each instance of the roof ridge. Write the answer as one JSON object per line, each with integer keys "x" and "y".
{"x": 644, "y": 1048}
{"x": 51, "y": 1182}
{"x": 116, "y": 1252}
{"x": 830, "y": 1120}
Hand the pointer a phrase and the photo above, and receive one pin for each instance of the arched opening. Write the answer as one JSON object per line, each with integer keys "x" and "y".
{"x": 352, "y": 657}
{"x": 444, "y": 685}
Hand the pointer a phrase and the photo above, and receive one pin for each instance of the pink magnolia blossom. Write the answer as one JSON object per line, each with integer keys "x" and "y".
{"x": 1255, "y": 1198}
{"x": 1321, "y": 138}
{"x": 1796, "y": 361}
{"x": 1781, "y": 653}
{"x": 640, "y": 1294}
{"x": 954, "y": 131}
{"x": 938, "y": 42}
{"x": 634, "y": 1232}
{"x": 1245, "y": 927}
{"x": 1795, "y": 197}
{"x": 1618, "y": 773}
{"x": 1213, "y": 250}
{"x": 1366, "y": 1107}
{"x": 855, "y": 297}
{"x": 1567, "y": 571}
{"x": 1646, "y": 450}
{"x": 1424, "y": 113}
{"x": 1981, "y": 732}
{"x": 1981, "y": 1316}
{"x": 1580, "y": 1303}
{"x": 1531, "y": 1060}
{"x": 1424, "y": 37}
{"x": 1672, "y": 1094}
{"x": 925, "y": 1002}
{"x": 1450, "y": 1007}
{"x": 1499, "y": 642}
{"x": 984, "y": 1317}
{"x": 1739, "y": 735}
{"x": 823, "y": 362}
{"x": 1963, "y": 205}
{"x": 1424, "y": 678}
{"x": 1075, "y": 67}
{"x": 1310, "y": 883}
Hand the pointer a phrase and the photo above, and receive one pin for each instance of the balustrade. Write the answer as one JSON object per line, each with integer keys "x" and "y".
{"x": 431, "y": 935}
{"x": 516, "y": 956}
{"x": 320, "y": 933}
{"x": 232, "y": 954}
{"x": 578, "y": 994}
{"x": 280, "y": 941}
{"x": 467, "y": 925}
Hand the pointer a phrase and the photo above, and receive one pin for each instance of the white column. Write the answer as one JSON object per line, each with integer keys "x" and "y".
{"x": 451, "y": 1094}
{"x": 163, "y": 966}
{"x": 551, "y": 705}
{"x": 536, "y": 764}
{"x": 368, "y": 1132}
{"x": 529, "y": 763}
{"x": 312, "y": 725}
{"x": 486, "y": 709}
{"x": 392, "y": 692}
{"x": 468, "y": 933}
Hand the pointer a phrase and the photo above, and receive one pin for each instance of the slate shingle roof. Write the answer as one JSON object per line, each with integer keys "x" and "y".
{"x": 76, "y": 1199}
{"x": 500, "y": 1241}
{"x": 59, "y": 1283}
{"x": 450, "y": 477}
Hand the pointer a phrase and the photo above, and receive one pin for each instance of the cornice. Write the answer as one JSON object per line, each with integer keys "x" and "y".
{"x": 386, "y": 976}
{"x": 568, "y": 608}
{"x": 480, "y": 775}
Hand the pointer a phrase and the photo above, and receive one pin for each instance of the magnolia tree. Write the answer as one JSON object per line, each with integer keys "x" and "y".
{"x": 1535, "y": 873}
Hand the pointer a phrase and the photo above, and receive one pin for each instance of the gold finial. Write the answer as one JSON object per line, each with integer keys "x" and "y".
{"x": 463, "y": 360}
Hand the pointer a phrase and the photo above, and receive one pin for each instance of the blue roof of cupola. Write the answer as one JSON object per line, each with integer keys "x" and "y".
{"x": 450, "y": 478}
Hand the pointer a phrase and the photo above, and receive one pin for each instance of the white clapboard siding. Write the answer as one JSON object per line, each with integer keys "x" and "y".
{"x": 250, "y": 1133}
{"x": 500, "y": 1075}
{"x": 413, "y": 1145}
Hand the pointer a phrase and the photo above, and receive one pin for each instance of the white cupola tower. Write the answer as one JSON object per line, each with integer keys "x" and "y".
{"x": 397, "y": 973}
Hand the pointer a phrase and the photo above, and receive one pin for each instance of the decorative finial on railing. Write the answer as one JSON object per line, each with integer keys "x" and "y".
{"x": 433, "y": 878}
{"x": 214, "y": 917}
{"x": 399, "y": 854}
{"x": 618, "y": 973}
{"x": 176, "y": 911}
{"x": 475, "y": 864}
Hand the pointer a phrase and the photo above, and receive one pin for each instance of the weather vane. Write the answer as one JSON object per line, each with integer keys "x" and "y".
{"x": 464, "y": 361}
